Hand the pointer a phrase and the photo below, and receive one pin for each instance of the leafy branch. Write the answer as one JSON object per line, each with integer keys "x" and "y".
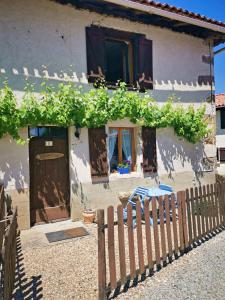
{"x": 68, "y": 105}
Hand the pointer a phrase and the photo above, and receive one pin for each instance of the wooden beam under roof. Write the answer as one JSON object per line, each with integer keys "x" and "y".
{"x": 107, "y": 8}
{"x": 180, "y": 24}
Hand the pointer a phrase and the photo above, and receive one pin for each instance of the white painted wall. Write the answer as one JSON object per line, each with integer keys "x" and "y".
{"x": 221, "y": 168}
{"x": 49, "y": 39}
{"x": 14, "y": 163}
{"x": 174, "y": 154}
{"x": 32, "y": 45}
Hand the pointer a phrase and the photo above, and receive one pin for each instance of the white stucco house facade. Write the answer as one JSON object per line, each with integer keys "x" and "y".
{"x": 50, "y": 38}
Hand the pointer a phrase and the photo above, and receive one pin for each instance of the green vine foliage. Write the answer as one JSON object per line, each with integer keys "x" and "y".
{"x": 68, "y": 105}
{"x": 9, "y": 113}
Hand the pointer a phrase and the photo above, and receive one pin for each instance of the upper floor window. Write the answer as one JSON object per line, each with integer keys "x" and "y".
{"x": 115, "y": 55}
{"x": 118, "y": 61}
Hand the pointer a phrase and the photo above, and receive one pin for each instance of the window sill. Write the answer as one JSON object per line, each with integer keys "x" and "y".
{"x": 115, "y": 86}
{"x": 114, "y": 176}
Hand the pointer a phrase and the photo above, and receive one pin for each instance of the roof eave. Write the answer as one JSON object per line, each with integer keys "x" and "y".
{"x": 167, "y": 14}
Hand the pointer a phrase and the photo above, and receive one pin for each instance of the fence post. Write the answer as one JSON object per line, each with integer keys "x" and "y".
{"x": 180, "y": 221}
{"x": 2, "y": 214}
{"x": 223, "y": 203}
{"x": 101, "y": 256}
{"x": 184, "y": 216}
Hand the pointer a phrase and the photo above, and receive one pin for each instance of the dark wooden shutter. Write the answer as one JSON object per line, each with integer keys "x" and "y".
{"x": 222, "y": 118}
{"x": 95, "y": 53}
{"x": 222, "y": 154}
{"x": 145, "y": 64}
{"x": 98, "y": 152}
{"x": 149, "y": 149}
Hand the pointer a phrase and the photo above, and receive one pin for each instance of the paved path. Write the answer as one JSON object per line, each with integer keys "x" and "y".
{"x": 198, "y": 275}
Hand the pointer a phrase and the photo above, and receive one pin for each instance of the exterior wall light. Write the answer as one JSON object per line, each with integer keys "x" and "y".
{"x": 77, "y": 132}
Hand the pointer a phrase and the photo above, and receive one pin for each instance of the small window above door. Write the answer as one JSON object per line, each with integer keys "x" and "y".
{"x": 48, "y": 131}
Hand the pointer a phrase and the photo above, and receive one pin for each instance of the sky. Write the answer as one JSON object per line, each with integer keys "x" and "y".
{"x": 213, "y": 9}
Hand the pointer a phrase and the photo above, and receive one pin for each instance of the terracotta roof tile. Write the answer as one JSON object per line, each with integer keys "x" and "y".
{"x": 220, "y": 100}
{"x": 179, "y": 11}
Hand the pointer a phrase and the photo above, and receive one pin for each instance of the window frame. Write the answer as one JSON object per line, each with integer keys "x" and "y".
{"x": 47, "y": 136}
{"x": 120, "y": 149}
{"x": 132, "y": 38}
{"x": 96, "y": 57}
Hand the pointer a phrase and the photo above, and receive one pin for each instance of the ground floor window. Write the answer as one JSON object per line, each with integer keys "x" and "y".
{"x": 121, "y": 148}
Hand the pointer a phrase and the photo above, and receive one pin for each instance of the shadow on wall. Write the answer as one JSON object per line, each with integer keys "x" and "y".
{"x": 77, "y": 188}
{"x": 19, "y": 77}
{"x": 13, "y": 174}
{"x": 185, "y": 91}
{"x": 177, "y": 153}
{"x": 80, "y": 151}
{"x": 14, "y": 166}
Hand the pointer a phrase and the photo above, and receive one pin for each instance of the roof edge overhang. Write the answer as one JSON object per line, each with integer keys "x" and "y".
{"x": 136, "y": 11}
{"x": 167, "y": 14}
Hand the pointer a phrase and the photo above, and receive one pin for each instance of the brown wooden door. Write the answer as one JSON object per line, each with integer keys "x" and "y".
{"x": 49, "y": 179}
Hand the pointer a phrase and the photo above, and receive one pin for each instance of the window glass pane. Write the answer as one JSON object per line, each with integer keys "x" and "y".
{"x": 59, "y": 132}
{"x": 117, "y": 61}
{"x": 126, "y": 146}
{"x": 113, "y": 149}
{"x": 43, "y": 131}
{"x": 33, "y": 131}
{"x": 126, "y": 65}
{"x": 50, "y": 132}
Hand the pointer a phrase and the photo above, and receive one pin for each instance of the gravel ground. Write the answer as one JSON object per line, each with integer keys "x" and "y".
{"x": 198, "y": 275}
{"x": 68, "y": 269}
{"x": 62, "y": 270}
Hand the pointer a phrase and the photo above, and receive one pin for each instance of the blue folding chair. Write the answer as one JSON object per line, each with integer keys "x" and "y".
{"x": 166, "y": 187}
{"x": 142, "y": 193}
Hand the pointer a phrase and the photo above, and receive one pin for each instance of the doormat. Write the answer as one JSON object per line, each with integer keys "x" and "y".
{"x": 66, "y": 234}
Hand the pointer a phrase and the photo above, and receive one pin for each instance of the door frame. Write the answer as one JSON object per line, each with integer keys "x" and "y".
{"x": 68, "y": 173}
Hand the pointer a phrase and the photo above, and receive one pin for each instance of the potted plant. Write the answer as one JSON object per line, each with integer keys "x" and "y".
{"x": 88, "y": 213}
{"x": 88, "y": 216}
{"x": 124, "y": 167}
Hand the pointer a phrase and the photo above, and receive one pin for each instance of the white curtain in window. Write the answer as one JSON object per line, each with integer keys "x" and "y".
{"x": 126, "y": 144}
{"x": 113, "y": 134}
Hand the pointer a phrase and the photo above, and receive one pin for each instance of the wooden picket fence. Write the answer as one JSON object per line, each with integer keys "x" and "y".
{"x": 180, "y": 222}
{"x": 2, "y": 214}
{"x": 8, "y": 236}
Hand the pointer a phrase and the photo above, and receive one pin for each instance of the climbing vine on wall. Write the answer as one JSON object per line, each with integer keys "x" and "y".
{"x": 68, "y": 105}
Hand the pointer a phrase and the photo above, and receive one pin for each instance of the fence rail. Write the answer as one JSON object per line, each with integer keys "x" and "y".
{"x": 180, "y": 222}
{"x": 8, "y": 235}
